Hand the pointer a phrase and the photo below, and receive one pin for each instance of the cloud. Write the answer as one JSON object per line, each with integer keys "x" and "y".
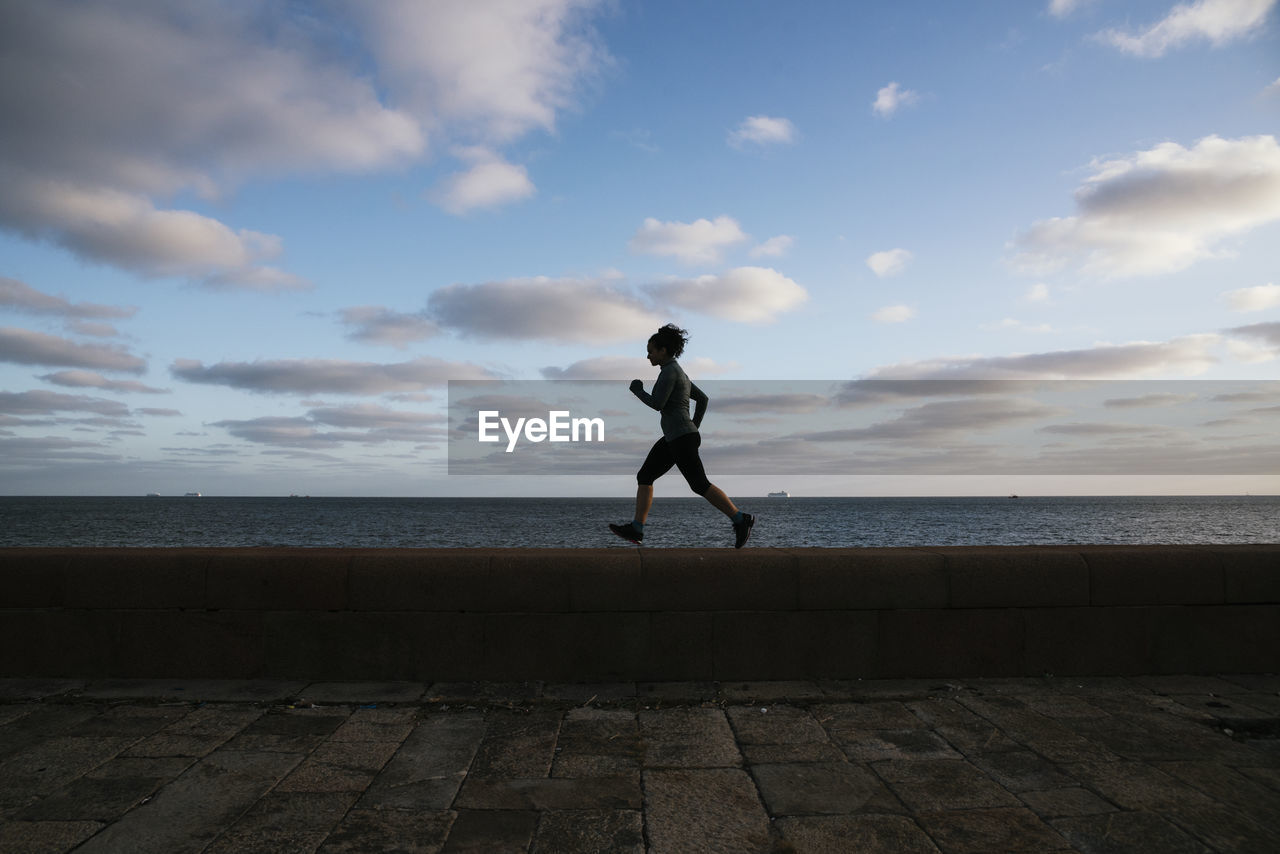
{"x": 743, "y": 294}
{"x": 891, "y": 98}
{"x": 795, "y": 403}
{"x": 490, "y": 182}
{"x": 491, "y": 71}
{"x": 21, "y": 297}
{"x": 1148, "y": 400}
{"x": 937, "y": 420}
{"x": 894, "y": 314}
{"x": 49, "y": 402}
{"x": 373, "y": 324}
{"x": 90, "y": 379}
{"x": 1266, "y": 333}
{"x": 127, "y": 231}
{"x": 26, "y": 347}
{"x": 1273, "y": 88}
{"x": 93, "y": 330}
{"x": 1037, "y": 293}
{"x": 889, "y": 263}
{"x": 1187, "y": 355}
{"x": 1216, "y": 21}
{"x": 763, "y": 130}
{"x": 699, "y": 242}
{"x": 363, "y": 424}
{"x": 1063, "y": 8}
{"x": 1160, "y": 210}
{"x": 774, "y": 247}
{"x": 112, "y": 107}
{"x": 559, "y": 310}
{"x": 627, "y": 367}
{"x": 319, "y": 376}
{"x": 600, "y": 368}
{"x": 1257, "y": 298}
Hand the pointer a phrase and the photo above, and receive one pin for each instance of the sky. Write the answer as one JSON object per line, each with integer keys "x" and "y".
{"x": 245, "y": 246}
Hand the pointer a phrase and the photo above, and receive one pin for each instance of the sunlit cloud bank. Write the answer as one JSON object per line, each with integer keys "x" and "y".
{"x": 1160, "y": 210}
{"x": 702, "y": 241}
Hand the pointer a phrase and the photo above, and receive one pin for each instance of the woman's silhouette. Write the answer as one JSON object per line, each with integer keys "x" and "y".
{"x": 680, "y": 438}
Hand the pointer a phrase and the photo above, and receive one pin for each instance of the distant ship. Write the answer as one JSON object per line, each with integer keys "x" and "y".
{"x": 193, "y": 495}
{"x": 153, "y": 495}
{"x": 780, "y": 494}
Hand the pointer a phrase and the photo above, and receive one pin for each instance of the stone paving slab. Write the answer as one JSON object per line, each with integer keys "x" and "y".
{"x": 1167, "y": 763}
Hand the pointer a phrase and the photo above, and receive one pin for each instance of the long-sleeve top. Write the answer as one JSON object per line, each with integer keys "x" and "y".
{"x": 670, "y": 396}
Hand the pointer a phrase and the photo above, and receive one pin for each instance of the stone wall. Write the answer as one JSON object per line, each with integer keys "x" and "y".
{"x": 625, "y": 614}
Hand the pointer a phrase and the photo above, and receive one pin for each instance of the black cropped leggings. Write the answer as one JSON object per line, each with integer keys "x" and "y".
{"x": 681, "y": 452}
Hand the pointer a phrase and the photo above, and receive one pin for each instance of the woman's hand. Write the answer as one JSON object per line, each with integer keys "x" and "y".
{"x": 637, "y": 386}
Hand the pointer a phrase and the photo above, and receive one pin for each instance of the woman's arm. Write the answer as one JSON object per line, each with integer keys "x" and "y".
{"x": 661, "y": 389}
{"x": 699, "y": 397}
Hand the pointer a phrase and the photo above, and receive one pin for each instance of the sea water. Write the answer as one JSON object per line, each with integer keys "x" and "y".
{"x": 673, "y": 522}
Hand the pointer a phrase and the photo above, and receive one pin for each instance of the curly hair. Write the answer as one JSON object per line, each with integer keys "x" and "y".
{"x": 672, "y": 338}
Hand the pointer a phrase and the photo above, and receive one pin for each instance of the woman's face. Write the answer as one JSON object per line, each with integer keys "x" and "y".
{"x": 657, "y": 355}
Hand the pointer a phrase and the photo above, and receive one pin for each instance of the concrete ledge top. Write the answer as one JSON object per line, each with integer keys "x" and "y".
{"x": 631, "y": 579}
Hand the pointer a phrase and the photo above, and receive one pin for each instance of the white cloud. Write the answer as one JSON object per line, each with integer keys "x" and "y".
{"x": 113, "y": 105}
{"x": 1038, "y": 292}
{"x": 889, "y": 263}
{"x": 125, "y": 229}
{"x": 1215, "y": 21}
{"x": 743, "y": 294}
{"x": 894, "y": 314}
{"x": 1257, "y": 298}
{"x": 774, "y": 247}
{"x": 699, "y": 242}
{"x": 1160, "y": 210}
{"x": 600, "y": 368}
{"x": 559, "y": 310}
{"x": 1273, "y": 89}
{"x": 763, "y": 130}
{"x": 489, "y": 183}
{"x": 1063, "y": 8}
{"x": 489, "y": 71}
{"x": 891, "y": 98}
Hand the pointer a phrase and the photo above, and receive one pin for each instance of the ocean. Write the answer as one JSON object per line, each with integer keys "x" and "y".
{"x": 674, "y": 522}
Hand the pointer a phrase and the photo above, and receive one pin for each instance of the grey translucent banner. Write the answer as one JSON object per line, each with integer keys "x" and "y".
{"x": 862, "y": 427}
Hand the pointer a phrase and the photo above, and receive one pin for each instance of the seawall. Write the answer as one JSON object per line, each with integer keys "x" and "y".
{"x": 625, "y": 614}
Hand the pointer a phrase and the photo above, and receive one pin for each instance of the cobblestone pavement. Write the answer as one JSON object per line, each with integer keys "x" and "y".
{"x": 1167, "y": 764}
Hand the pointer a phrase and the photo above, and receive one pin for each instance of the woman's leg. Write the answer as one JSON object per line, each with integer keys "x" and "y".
{"x": 658, "y": 462}
{"x": 690, "y": 465}
{"x": 644, "y": 500}
{"x": 720, "y": 501}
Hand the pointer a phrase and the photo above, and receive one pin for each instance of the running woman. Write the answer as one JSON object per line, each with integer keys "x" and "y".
{"x": 680, "y": 438}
